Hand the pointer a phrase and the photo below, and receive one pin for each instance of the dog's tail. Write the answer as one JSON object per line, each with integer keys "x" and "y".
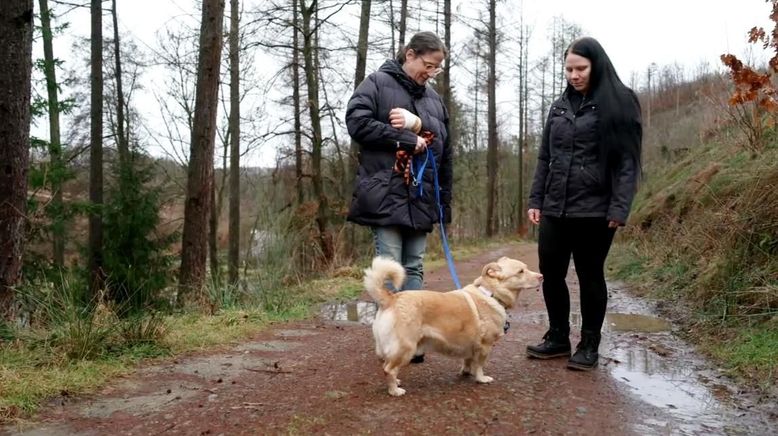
{"x": 383, "y": 269}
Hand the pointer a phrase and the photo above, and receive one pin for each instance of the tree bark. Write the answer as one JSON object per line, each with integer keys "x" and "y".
{"x": 447, "y": 97}
{"x": 122, "y": 142}
{"x": 16, "y": 59}
{"x": 200, "y": 171}
{"x": 317, "y": 180}
{"x": 233, "y": 254}
{"x": 298, "y": 138}
{"x": 403, "y": 22}
{"x": 96, "y": 276}
{"x": 55, "y": 142}
{"x": 359, "y": 76}
{"x": 491, "y": 155}
{"x": 523, "y": 100}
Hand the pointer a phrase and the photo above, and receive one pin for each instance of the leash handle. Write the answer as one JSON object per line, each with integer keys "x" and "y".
{"x": 443, "y": 238}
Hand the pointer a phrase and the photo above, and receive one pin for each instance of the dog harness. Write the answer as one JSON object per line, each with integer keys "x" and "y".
{"x": 489, "y": 294}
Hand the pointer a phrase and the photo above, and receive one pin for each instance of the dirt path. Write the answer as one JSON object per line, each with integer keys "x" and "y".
{"x": 321, "y": 376}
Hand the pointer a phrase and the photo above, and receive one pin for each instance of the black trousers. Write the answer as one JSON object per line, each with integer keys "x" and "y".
{"x": 588, "y": 241}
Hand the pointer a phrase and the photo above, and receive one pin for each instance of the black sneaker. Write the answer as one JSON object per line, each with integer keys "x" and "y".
{"x": 418, "y": 359}
{"x": 556, "y": 343}
{"x": 586, "y": 356}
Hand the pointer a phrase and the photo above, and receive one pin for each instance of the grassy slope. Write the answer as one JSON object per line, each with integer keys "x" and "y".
{"x": 703, "y": 240}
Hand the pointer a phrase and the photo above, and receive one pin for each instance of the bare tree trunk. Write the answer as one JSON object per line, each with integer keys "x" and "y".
{"x": 122, "y": 142}
{"x": 213, "y": 229}
{"x": 523, "y": 100}
{"x": 96, "y": 276}
{"x": 233, "y": 253}
{"x": 298, "y": 138}
{"x": 491, "y": 155}
{"x": 322, "y": 215}
{"x": 359, "y": 76}
{"x": 447, "y": 94}
{"x": 403, "y": 21}
{"x": 55, "y": 144}
{"x": 16, "y": 59}
{"x": 392, "y": 29}
{"x": 200, "y": 174}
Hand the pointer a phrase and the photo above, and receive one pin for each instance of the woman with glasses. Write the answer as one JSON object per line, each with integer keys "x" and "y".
{"x": 401, "y": 126}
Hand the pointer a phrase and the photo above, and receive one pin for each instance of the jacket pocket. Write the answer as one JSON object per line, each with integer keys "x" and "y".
{"x": 372, "y": 192}
{"x": 590, "y": 177}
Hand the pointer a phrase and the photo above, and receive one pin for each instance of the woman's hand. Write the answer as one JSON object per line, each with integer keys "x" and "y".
{"x": 401, "y": 118}
{"x": 421, "y": 145}
{"x": 613, "y": 224}
{"x": 534, "y": 216}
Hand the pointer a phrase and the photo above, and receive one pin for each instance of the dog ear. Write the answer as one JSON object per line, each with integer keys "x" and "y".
{"x": 491, "y": 270}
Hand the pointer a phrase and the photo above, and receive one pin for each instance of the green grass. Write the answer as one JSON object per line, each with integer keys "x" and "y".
{"x": 37, "y": 365}
{"x": 751, "y": 354}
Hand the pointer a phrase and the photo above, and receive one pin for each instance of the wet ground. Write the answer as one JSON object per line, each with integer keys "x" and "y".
{"x": 321, "y": 376}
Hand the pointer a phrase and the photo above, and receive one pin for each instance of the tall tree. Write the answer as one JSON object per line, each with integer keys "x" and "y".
{"x": 359, "y": 76}
{"x": 122, "y": 141}
{"x": 447, "y": 97}
{"x": 96, "y": 151}
{"x": 310, "y": 25}
{"x": 403, "y": 22}
{"x": 523, "y": 110}
{"x": 16, "y": 59}
{"x": 55, "y": 142}
{"x": 200, "y": 171}
{"x": 493, "y": 141}
{"x": 233, "y": 252}
{"x": 298, "y": 135}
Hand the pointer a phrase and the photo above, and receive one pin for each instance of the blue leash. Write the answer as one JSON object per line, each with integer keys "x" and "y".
{"x": 449, "y": 259}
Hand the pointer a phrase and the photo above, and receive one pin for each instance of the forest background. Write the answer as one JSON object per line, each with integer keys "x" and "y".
{"x": 208, "y": 171}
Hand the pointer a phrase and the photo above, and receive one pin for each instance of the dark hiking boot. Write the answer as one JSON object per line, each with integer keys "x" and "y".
{"x": 418, "y": 359}
{"x": 556, "y": 343}
{"x": 586, "y": 356}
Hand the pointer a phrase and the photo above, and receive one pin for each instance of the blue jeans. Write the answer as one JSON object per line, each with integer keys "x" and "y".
{"x": 407, "y": 247}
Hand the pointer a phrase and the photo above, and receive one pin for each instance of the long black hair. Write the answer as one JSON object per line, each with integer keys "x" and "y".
{"x": 618, "y": 106}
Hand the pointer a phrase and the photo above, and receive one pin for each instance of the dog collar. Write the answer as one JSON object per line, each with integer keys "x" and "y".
{"x": 489, "y": 293}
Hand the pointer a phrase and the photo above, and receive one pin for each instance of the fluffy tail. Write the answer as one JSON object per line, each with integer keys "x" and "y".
{"x": 383, "y": 269}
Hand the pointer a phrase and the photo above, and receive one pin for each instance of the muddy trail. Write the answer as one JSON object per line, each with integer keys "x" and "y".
{"x": 322, "y": 376}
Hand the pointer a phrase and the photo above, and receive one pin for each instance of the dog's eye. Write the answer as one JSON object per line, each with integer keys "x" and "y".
{"x": 521, "y": 271}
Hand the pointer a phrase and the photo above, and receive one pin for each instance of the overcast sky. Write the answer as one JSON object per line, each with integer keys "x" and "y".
{"x": 634, "y": 33}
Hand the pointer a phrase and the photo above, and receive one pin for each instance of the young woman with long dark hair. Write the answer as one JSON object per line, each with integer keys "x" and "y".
{"x": 586, "y": 177}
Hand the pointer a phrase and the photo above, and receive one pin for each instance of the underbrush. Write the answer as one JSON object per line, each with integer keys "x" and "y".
{"x": 70, "y": 346}
{"x": 708, "y": 242}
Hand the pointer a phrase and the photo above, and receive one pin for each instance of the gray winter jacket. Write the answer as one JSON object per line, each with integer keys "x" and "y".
{"x": 381, "y": 197}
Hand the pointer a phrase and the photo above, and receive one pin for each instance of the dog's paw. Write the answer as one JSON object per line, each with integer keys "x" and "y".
{"x": 484, "y": 379}
{"x": 396, "y": 392}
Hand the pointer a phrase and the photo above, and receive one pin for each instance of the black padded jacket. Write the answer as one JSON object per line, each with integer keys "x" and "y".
{"x": 381, "y": 197}
{"x": 570, "y": 180}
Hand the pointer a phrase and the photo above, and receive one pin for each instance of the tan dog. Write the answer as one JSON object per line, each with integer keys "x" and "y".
{"x": 464, "y": 323}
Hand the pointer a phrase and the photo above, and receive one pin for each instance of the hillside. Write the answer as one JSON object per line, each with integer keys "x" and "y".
{"x": 703, "y": 239}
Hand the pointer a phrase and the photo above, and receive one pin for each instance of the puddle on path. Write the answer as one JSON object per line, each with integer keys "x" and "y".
{"x": 362, "y": 312}
{"x": 639, "y": 351}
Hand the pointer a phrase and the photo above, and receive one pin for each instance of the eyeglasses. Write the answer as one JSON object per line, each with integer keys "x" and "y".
{"x": 432, "y": 68}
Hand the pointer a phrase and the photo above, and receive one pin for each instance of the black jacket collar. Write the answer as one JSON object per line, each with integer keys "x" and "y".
{"x": 394, "y": 69}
